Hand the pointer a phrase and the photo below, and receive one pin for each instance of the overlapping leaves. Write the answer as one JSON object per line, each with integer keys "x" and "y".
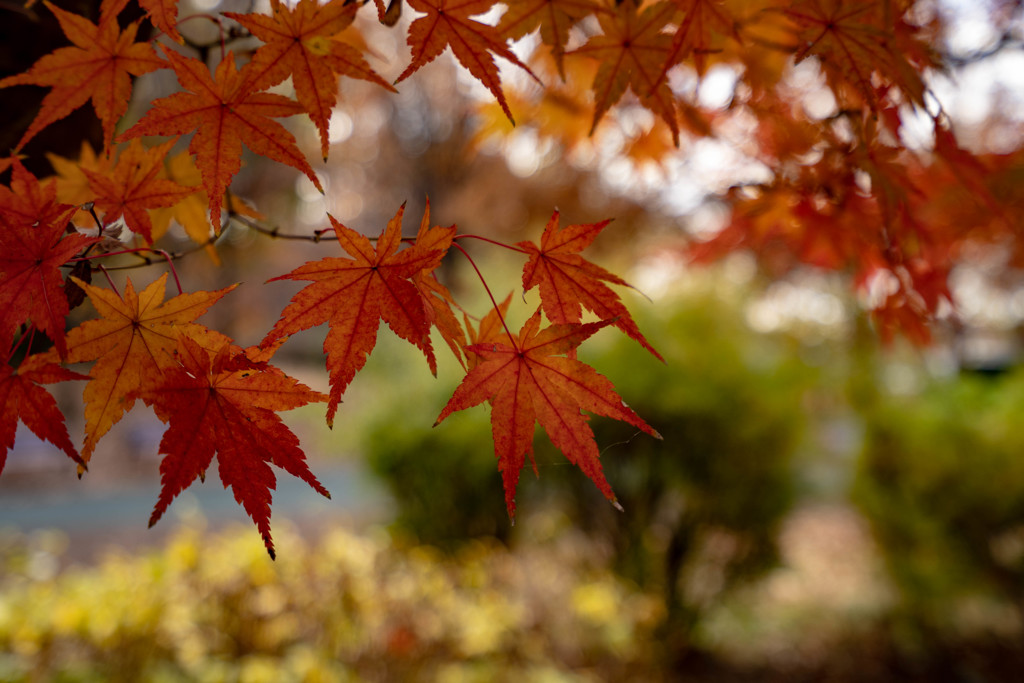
{"x": 98, "y": 68}
{"x": 223, "y": 111}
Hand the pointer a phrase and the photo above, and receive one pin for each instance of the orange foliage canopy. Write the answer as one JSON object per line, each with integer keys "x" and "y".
{"x": 840, "y": 192}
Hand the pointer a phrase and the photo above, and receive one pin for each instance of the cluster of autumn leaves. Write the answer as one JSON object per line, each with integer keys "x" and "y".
{"x": 219, "y": 399}
{"x": 844, "y": 195}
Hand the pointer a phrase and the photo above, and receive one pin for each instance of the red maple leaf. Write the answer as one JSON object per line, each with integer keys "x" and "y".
{"x": 528, "y": 382}
{"x": 225, "y": 404}
{"x": 569, "y": 283}
{"x": 448, "y": 23}
{"x": 99, "y": 68}
{"x": 299, "y": 43}
{"x": 223, "y": 111}
{"x": 28, "y": 201}
{"x": 133, "y": 187}
{"x": 21, "y": 398}
{"x": 31, "y": 285}
{"x": 354, "y": 295}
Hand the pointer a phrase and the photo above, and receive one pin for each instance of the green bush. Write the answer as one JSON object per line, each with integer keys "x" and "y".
{"x": 445, "y": 481}
{"x": 702, "y": 507}
{"x": 941, "y": 480}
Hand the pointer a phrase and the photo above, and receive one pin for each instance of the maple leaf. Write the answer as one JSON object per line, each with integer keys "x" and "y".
{"x": 298, "y": 43}
{"x": 855, "y": 40}
{"x": 132, "y": 187}
{"x": 448, "y": 24}
{"x": 164, "y": 15}
{"x": 569, "y": 283}
{"x": 8, "y": 161}
{"x": 490, "y": 330}
{"x": 31, "y": 285}
{"x": 437, "y": 300}
{"x": 354, "y": 295}
{"x": 21, "y": 398}
{"x": 528, "y": 382}
{"x": 132, "y": 344}
{"x": 554, "y": 18}
{"x": 558, "y": 112}
{"x": 223, "y": 111}
{"x": 99, "y": 68}
{"x": 224, "y": 404}
{"x": 632, "y": 50}
{"x": 702, "y": 20}
{"x": 71, "y": 181}
{"x": 191, "y": 212}
{"x": 28, "y": 201}
{"x": 819, "y": 219}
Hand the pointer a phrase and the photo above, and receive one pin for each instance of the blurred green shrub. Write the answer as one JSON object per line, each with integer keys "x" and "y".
{"x": 941, "y": 480}
{"x": 702, "y": 507}
{"x": 445, "y": 481}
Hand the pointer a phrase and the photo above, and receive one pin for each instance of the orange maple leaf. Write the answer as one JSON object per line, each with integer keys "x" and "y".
{"x": 554, "y": 18}
{"x": 702, "y": 22}
{"x": 133, "y": 186}
{"x": 437, "y": 300}
{"x": 71, "y": 181}
{"x": 31, "y": 285}
{"x": 99, "y": 68}
{"x": 528, "y": 382}
{"x": 448, "y": 23}
{"x": 632, "y": 49}
{"x": 569, "y": 283}
{"x": 191, "y": 212}
{"x": 164, "y": 15}
{"x": 223, "y": 111}
{"x": 854, "y": 40}
{"x": 223, "y": 403}
{"x": 354, "y": 295}
{"x": 21, "y": 398}
{"x": 132, "y": 344}
{"x": 490, "y": 330}
{"x": 299, "y": 43}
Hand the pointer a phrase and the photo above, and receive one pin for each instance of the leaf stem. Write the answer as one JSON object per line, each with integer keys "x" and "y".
{"x": 28, "y": 333}
{"x": 170, "y": 264}
{"x": 490, "y": 241}
{"x": 103, "y": 270}
{"x": 494, "y": 301}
